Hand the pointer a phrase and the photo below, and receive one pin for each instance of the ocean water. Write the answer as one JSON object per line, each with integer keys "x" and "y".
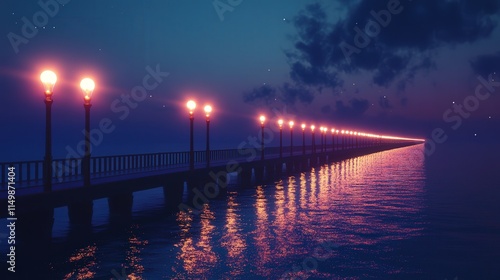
{"x": 396, "y": 214}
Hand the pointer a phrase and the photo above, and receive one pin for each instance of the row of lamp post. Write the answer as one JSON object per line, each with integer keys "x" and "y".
{"x": 87, "y": 85}
{"x": 352, "y": 135}
{"x": 191, "y": 105}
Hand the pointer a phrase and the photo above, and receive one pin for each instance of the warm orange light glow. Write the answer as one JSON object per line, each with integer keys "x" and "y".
{"x": 48, "y": 79}
{"x": 303, "y": 126}
{"x": 191, "y": 105}
{"x": 262, "y": 119}
{"x": 333, "y": 130}
{"x": 208, "y": 110}
{"x": 291, "y": 123}
{"x": 88, "y": 86}
{"x": 280, "y": 123}
{"x": 337, "y": 131}
{"x": 312, "y": 127}
{"x": 342, "y": 132}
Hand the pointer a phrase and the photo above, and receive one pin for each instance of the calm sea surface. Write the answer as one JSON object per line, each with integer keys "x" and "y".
{"x": 391, "y": 215}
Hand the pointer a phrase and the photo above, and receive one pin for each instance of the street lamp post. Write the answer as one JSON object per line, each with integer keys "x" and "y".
{"x": 342, "y": 140}
{"x": 291, "y": 137}
{"x": 324, "y": 138}
{"x": 321, "y": 138}
{"x": 352, "y": 139}
{"x": 208, "y": 110}
{"x": 303, "y": 126}
{"x": 280, "y": 123}
{"x": 333, "y": 139}
{"x": 262, "y": 121}
{"x": 191, "y": 105}
{"x": 48, "y": 79}
{"x": 313, "y": 140}
{"x": 87, "y": 85}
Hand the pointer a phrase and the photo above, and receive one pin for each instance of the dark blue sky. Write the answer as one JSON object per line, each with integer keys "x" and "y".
{"x": 247, "y": 59}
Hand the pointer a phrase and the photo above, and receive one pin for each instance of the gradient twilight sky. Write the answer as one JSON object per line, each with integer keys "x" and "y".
{"x": 256, "y": 56}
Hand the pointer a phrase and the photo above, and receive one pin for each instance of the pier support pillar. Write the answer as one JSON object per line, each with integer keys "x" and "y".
{"x": 80, "y": 213}
{"x": 245, "y": 176}
{"x": 173, "y": 192}
{"x": 33, "y": 232}
{"x": 120, "y": 206}
{"x": 259, "y": 173}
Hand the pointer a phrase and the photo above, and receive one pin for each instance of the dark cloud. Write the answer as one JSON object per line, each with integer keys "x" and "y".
{"x": 291, "y": 94}
{"x": 487, "y": 64}
{"x": 288, "y": 94}
{"x": 400, "y": 49}
{"x": 355, "y": 108}
{"x": 265, "y": 93}
{"x": 384, "y": 103}
{"x": 404, "y": 101}
{"x": 326, "y": 109}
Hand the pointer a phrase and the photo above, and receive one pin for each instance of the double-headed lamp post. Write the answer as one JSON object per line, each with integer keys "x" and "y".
{"x": 303, "y": 126}
{"x": 48, "y": 79}
{"x": 87, "y": 85}
{"x": 280, "y": 123}
{"x": 191, "y": 105}
{"x": 208, "y": 110}
{"x": 313, "y": 140}
{"x": 291, "y": 137}
{"x": 262, "y": 121}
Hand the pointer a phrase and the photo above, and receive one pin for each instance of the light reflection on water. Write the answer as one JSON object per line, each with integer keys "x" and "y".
{"x": 264, "y": 231}
{"x": 377, "y": 210}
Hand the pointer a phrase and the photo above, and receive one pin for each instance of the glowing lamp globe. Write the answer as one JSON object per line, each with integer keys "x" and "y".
{"x": 191, "y": 105}
{"x": 280, "y": 123}
{"x": 48, "y": 79}
{"x": 262, "y": 119}
{"x": 87, "y": 85}
{"x": 208, "y": 110}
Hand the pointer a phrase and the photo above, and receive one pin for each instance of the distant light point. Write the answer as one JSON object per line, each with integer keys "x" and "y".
{"x": 283, "y": 18}
{"x": 475, "y": 134}
{"x": 489, "y": 117}
{"x": 150, "y": 95}
{"x": 268, "y": 70}
{"x": 453, "y": 102}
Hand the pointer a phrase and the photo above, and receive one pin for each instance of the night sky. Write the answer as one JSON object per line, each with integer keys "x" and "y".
{"x": 304, "y": 60}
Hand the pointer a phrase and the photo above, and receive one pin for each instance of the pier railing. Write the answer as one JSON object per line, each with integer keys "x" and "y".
{"x": 30, "y": 173}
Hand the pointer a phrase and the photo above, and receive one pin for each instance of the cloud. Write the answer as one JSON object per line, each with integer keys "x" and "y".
{"x": 264, "y": 93}
{"x": 486, "y": 64}
{"x": 291, "y": 94}
{"x": 384, "y": 103}
{"x": 288, "y": 94}
{"x": 326, "y": 109}
{"x": 401, "y": 49}
{"x": 356, "y": 108}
